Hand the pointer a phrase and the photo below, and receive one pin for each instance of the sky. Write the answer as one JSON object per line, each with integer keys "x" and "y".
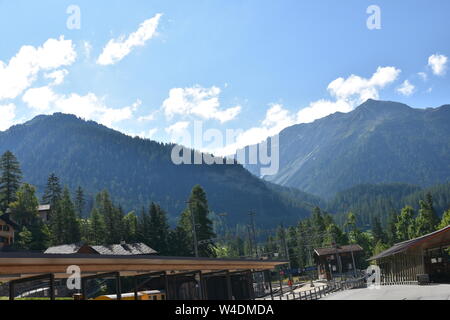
{"x": 164, "y": 69}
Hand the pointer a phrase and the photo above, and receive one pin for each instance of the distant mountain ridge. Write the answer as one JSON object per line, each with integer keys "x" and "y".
{"x": 136, "y": 171}
{"x": 379, "y": 142}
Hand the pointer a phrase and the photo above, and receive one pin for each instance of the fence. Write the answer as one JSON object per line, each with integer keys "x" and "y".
{"x": 321, "y": 291}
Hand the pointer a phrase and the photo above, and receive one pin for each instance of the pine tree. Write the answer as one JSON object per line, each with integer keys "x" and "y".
{"x": 180, "y": 243}
{"x": 10, "y": 177}
{"x": 159, "y": 229}
{"x": 25, "y": 209}
{"x": 52, "y": 193}
{"x": 445, "y": 220}
{"x": 377, "y": 230}
{"x": 80, "y": 202}
{"x": 130, "y": 225}
{"x": 71, "y": 223}
{"x": 97, "y": 228}
{"x": 427, "y": 220}
{"x": 392, "y": 228}
{"x": 35, "y": 234}
{"x": 112, "y": 218}
{"x": 405, "y": 226}
{"x": 198, "y": 204}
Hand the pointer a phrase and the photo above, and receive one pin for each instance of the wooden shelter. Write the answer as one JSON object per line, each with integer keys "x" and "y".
{"x": 180, "y": 277}
{"x": 423, "y": 257}
{"x": 339, "y": 260}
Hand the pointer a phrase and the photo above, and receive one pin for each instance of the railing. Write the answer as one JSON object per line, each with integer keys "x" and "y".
{"x": 320, "y": 292}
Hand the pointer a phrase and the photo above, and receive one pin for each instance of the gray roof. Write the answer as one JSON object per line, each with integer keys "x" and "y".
{"x": 44, "y": 207}
{"x": 128, "y": 249}
{"x": 340, "y": 249}
{"x": 64, "y": 249}
{"x": 405, "y": 245}
{"x": 124, "y": 249}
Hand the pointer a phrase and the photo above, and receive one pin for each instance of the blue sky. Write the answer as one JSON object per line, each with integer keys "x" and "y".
{"x": 151, "y": 68}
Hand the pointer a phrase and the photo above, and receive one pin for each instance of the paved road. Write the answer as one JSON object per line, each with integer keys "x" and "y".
{"x": 432, "y": 292}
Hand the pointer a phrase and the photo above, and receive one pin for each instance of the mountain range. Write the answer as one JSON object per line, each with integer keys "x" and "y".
{"x": 332, "y": 163}
{"x": 137, "y": 171}
{"x": 379, "y": 142}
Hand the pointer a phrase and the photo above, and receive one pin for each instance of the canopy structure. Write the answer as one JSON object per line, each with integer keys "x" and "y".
{"x": 433, "y": 240}
{"x": 419, "y": 260}
{"x": 22, "y": 265}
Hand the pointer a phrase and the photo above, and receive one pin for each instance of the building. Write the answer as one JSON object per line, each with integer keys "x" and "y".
{"x": 337, "y": 261}
{"x": 123, "y": 249}
{"x": 423, "y": 257}
{"x": 7, "y": 230}
{"x": 44, "y": 212}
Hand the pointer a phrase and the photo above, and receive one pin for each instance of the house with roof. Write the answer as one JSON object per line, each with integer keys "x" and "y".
{"x": 423, "y": 259}
{"x": 123, "y": 249}
{"x": 7, "y": 230}
{"x": 337, "y": 261}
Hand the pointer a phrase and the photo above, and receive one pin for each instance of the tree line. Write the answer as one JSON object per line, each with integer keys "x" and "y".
{"x": 107, "y": 222}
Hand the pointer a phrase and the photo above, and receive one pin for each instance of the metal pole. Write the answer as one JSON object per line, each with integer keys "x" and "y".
{"x": 52, "y": 287}
{"x": 252, "y": 215}
{"x": 118, "y": 287}
{"x": 229, "y": 286}
{"x": 270, "y": 283}
{"x": 286, "y": 251}
{"x": 354, "y": 264}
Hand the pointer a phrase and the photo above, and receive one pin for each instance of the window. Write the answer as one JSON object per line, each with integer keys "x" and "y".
{"x": 2, "y": 240}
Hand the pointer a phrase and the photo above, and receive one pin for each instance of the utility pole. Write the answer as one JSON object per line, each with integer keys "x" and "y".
{"x": 286, "y": 252}
{"x": 252, "y": 217}
{"x": 194, "y": 229}
{"x": 250, "y": 240}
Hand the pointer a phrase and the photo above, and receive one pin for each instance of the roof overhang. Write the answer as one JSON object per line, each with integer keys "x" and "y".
{"x": 429, "y": 241}
{"x": 19, "y": 265}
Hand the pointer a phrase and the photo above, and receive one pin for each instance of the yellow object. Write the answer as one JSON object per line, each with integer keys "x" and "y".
{"x": 143, "y": 295}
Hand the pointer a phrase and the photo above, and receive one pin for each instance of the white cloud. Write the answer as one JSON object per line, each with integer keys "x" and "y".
{"x": 149, "y": 117}
{"x": 438, "y": 63}
{"x": 8, "y": 114}
{"x": 348, "y": 94}
{"x": 89, "y": 106}
{"x": 406, "y": 88}
{"x": 199, "y": 101}
{"x": 177, "y": 128}
{"x": 21, "y": 71}
{"x": 277, "y": 118}
{"x": 423, "y": 76}
{"x": 40, "y": 99}
{"x": 116, "y": 49}
{"x": 355, "y": 89}
{"x": 57, "y": 76}
{"x": 322, "y": 108}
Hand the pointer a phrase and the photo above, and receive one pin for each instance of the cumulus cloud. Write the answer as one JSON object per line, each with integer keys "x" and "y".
{"x": 89, "y": 106}
{"x": 438, "y": 64}
{"x": 22, "y": 70}
{"x": 199, "y": 101}
{"x": 117, "y": 49}
{"x": 406, "y": 88}
{"x": 348, "y": 93}
{"x": 8, "y": 114}
{"x": 177, "y": 128}
{"x": 57, "y": 76}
